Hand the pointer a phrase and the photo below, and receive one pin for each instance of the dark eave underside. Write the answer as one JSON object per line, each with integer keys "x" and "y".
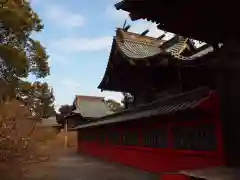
{"x": 179, "y": 103}
{"x": 209, "y": 21}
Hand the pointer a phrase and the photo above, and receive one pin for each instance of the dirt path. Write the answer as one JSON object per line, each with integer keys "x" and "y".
{"x": 72, "y": 166}
{"x": 67, "y": 164}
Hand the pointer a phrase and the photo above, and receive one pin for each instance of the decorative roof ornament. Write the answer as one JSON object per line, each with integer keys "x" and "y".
{"x": 162, "y": 36}
{"x": 126, "y": 27}
{"x": 144, "y": 33}
{"x": 124, "y": 24}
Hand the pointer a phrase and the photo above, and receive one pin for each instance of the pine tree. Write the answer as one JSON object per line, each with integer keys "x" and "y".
{"x": 20, "y": 55}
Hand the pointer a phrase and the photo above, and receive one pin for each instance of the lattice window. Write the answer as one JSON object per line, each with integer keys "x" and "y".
{"x": 114, "y": 138}
{"x": 101, "y": 137}
{"x": 79, "y": 135}
{"x": 195, "y": 138}
{"x": 130, "y": 138}
{"x": 156, "y": 138}
{"x": 87, "y": 136}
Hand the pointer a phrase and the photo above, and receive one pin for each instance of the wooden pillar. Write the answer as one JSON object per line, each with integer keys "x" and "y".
{"x": 66, "y": 134}
{"x": 228, "y": 85}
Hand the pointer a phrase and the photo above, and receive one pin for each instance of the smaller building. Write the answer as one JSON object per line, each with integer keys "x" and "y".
{"x": 87, "y": 109}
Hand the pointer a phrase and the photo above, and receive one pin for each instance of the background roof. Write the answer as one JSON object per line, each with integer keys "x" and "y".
{"x": 91, "y": 107}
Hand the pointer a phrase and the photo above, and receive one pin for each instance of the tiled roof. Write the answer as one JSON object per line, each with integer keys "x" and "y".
{"x": 137, "y": 47}
{"x": 91, "y": 107}
{"x": 138, "y": 50}
{"x": 195, "y": 56}
{"x": 182, "y": 102}
{"x": 176, "y": 48}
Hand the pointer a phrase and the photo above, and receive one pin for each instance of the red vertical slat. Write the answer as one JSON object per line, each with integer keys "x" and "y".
{"x": 170, "y": 136}
{"x": 217, "y": 119}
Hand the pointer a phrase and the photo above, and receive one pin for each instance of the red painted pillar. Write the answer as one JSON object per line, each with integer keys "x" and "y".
{"x": 174, "y": 177}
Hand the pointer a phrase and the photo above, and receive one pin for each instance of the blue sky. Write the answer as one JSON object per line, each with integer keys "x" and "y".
{"x": 78, "y": 37}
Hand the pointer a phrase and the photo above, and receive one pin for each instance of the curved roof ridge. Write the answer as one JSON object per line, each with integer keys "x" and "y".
{"x": 138, "y": 50}
{"x": 139, "y": 42}
{"x": 90, "y": 97}
{"x": 124, "y": 32}
{"x": 91, "y": 106}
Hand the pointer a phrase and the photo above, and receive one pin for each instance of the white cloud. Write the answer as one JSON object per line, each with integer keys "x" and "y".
{"x": 142, "y": 25}
{"x": 136, "y": 26}
{"x": 33, "y": 2}
{"x": 57, "y": 57}
{"x": 72, "y": 87}
{"x": 117, "y": 15}
{"x": 62, "y": 16}
{"x": 57, "y": 107}
{"x": 75, "y": 44}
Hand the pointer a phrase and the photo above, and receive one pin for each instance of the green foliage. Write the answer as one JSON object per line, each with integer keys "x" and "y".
{"x": 64, "y": 110}
{"x": 21, "y": 55}
{"x": 38, "y": 60}
{"x": 17, "y": 22}
{"x": 44, "y": 99}
{"x": 14, "y": 61}
{"x": 38, "y": 97}
{"x": 18, "y": 16}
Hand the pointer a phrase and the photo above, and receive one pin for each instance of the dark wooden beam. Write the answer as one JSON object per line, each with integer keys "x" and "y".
{"x": 229, "y": 91}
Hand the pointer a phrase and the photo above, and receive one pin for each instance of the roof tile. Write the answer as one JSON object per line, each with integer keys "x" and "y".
{"x": 91, "y": 107}
{"x": 137, "y": 47}
{"x": 138, "y": 50}
{"x": 183, "y": 102}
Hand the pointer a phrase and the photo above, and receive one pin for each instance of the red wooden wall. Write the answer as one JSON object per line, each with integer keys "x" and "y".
{"x": 160, "y": 159}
